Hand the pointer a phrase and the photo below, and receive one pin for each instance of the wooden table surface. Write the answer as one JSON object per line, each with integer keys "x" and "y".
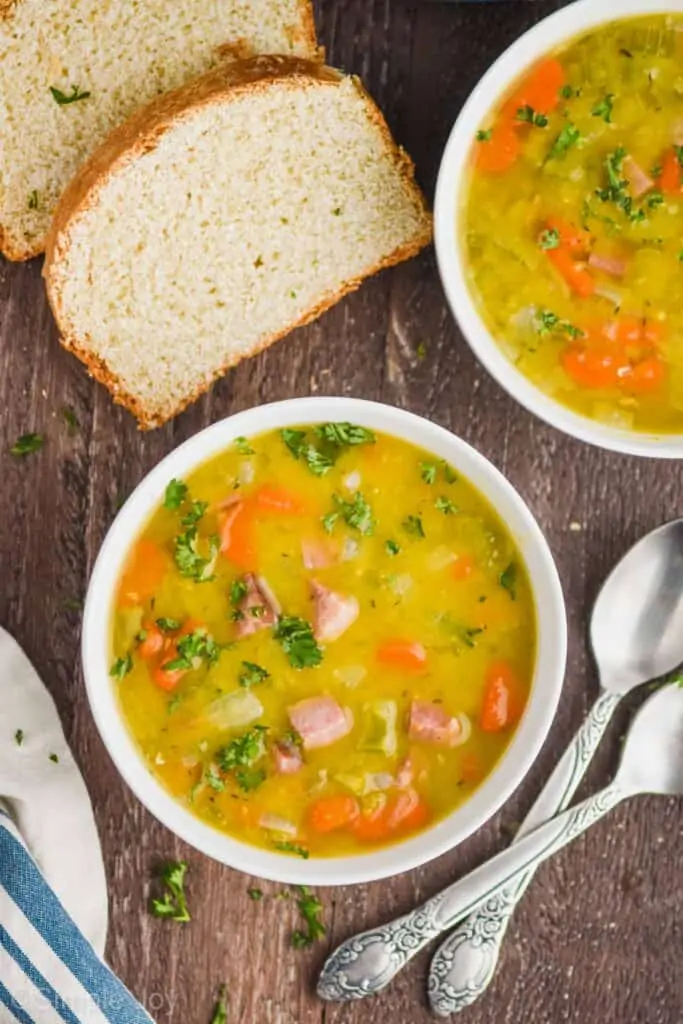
{"x": 598, "y": 937}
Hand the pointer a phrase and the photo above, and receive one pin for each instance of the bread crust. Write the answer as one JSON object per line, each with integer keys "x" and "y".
{"x": 303, "y": 32}
{"x": 141, "y": 134}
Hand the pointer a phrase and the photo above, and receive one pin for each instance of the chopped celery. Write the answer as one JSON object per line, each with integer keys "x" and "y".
{"x": 379, "y": 727}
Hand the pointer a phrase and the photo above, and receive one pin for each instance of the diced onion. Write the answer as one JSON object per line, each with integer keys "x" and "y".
{"x": 350, "y": 675}
{"x": 465, "y": 729}
{"x": 270, "y": 597}
{"x": 246, "y": 473}
{"x": 274, "y": 823}
{"x": 400, "y": 585}
{"x": 440, "y": 558}
{"x": 352, "y": 481}
{"x": 350, "y": 549}
{"x": 235, "y": 710}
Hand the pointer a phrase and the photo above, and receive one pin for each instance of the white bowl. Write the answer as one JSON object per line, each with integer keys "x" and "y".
{"x": 526, "y": 742}
{"x": 547, "y": 35}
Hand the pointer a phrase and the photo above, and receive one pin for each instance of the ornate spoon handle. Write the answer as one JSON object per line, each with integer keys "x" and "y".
{"x": 364, "y": 964}
{"x": 465, "y": 963}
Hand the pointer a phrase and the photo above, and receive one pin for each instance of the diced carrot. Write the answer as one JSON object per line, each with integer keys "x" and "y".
{"x": 372, "y": 827}
{"x": 576, "y": 240}
{"x": 592, "y": 367}
{"x": 237, "y": 536}
{"x": 575, "y": 274}
{"x": 670, "y": 178}
{"x": 153, "y": 642}
{"x": 406, "y": 811}
{"x": 498, "y": 709}
{"x": 471, "y": 768}
{"x": 645, "y": 377}
{"x": 143, "y": 573}
{"x": 498, "y": 153}
{"x": 331, "y": 813}
{"x": 462, "y": 567}
{"x": 279, "y": 499}
{"x": 408, "y": 655}
{"x": 168, "y": 679}
{"x": 624, "y": 330}
{"x": 540, "y": 89}
{"x": 654, "y": 332}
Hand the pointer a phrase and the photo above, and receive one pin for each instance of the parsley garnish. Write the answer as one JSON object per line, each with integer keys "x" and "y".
{"x": 392, "y": 547}
{"x": 548, "y": 322}
{"x": 567, "y": 138}
{"x": 333, "y": 437}
{"x": 528, "y": 115}
{"x": 190, "y": 562}
{"x": 244, "y": 751}
{"x": 428, "y": 472}
{"x": 194, "y": 513}
{"x": 604, "y": 108}
{"x": 54, "y": 758}
{"x": 567, "y": 91}
{"x": 345, "y": 435}
{"x": 193, "y": 648}
{"x": 484, "y": 134}
{"x": 421, "y": 352}
{"x": 549, "y": 239}
{"x": 449, "y": 474}
{"x": 19, "y": 737}
{"x": 446, "y": 506}
{"x": 175, "y": 494}
{"x": 252, "y": 674}
{"x": 33, "y": 200}
{"x": 288, "y": 847}
{"x": 249, "y": 779}
{"x": 238, "y": 590}
{"x": 413, "y": 526}
{"x": 71, "y": 420}
{"x": 310, "y": 909}
{"x": 243, "y": 446}
{"x": 173, "y": 903}
{"x": 62, "y": 99}
{"x": 617, "y": 188}
{"x": 298, "y": 642}
{"x": 508, "y": 580}
{"x": 213, "y": 779}
{"x": 357, "y": 514}
{"x": 169, "y": 625}
{"x": 121, "y": 667}
{"x": 255, "y": 894}
{"x": 220, "y": 1010}
{"x": 26, "y": 444}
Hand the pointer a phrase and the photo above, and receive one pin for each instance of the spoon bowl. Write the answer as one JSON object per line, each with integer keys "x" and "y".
{"x": 652, "y": 759}
{"x": 637, "y": 624}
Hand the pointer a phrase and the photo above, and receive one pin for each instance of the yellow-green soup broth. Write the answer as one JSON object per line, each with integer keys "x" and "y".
{"x": 323, "y": 640}
{"x": 574, "y": 224}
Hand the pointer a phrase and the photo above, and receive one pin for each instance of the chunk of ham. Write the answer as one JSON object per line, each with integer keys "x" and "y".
{"x": 333, "y": 613}
{"x": 320, "y": 721}
{"x": 288, "y": 759}
{"x": 639, "y": 181}
{"x": 406, "y": 773}
{"x": 607, "y": 264}
{"x": 259, "y": 606}
{"x": 429, "y": 723}
{"x": 318, "y": 554}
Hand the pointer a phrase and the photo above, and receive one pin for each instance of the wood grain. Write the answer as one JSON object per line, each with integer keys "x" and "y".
{"x": 598, "y": 937}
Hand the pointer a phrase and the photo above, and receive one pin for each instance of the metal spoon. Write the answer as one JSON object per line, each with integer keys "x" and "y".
{"x": 652, "y": 762}
{"x": 637, "y": 635}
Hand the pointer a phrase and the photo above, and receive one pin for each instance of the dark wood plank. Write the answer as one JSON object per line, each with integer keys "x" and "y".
{"x": 595, "y": 937}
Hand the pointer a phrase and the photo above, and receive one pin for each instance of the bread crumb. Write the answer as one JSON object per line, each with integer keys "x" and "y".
{"x": 575, "y": 527}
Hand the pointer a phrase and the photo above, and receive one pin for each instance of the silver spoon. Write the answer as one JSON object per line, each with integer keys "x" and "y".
{"x": 637, "y": 635}
{"x": 652, "y": 762}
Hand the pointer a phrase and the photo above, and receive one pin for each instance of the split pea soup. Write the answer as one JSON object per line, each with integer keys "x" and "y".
{"x": 573, "y": 216}
{"x": 322, "y": 640}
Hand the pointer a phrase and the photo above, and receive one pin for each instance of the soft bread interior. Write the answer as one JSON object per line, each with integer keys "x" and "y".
{"x": 248, "y": 216}
{"x": 124, "y": 53}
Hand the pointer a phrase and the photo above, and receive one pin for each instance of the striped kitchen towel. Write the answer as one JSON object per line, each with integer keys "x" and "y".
{"x": 53, "y": 900}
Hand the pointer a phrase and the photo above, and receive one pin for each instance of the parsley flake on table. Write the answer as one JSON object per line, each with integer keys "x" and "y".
{"x": 508, "y": 580}
{"x": 297, "y": 641}
{"x": 255, "y": 894}
{"x": 173, "y": 903}
{"x": 74, "y": 96}
{"x": 604, "y": 108}
{"x": 27, "y": 444}
{"x": 19, "y": 737}
{"x": 175, "y": 494}
{"x": 413, "y": 526}
{"x": 220, "y": 1010}
{"x": 568, "y": 137}
{"x": 121, "y": 667}
{"x": 252, "y": 674}
{"x": 310, "y": 909}
{"x": 33, "y": 200}
{"x": 71, "y": 420}
{"x": 54, "y": 758}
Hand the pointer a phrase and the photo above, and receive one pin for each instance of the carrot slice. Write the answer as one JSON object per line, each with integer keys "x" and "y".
{"x": 406, "y": 811}
{"x": 576, "y": 240}
{"x": 279, "y": 499}
{"x": 498, "y": 153}
{"x": 592, "y": 368}
{"x": 575, "y": 274}
{"x": 237, "y": 535}
{"x": 143, "y": 573}
{"x": 463, "y": 567}
{"x": 153, "y": 642}
{"x": 498, "y": 709}
{"x": 625, "y": 330}
{"x": 670, "y": 178}
{"x": 540, "y": 89}
{"x": 646, "y": 377}
{"x": 168, "y": 679}
{"x": 407, "y": 655}
{"x": 331, "y": 813}
{"x": 372, "y": 827}
{"x": 654, "y": 332}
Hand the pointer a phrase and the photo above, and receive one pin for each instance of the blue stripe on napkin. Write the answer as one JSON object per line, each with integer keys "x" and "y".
{"x": 23, "y": 881}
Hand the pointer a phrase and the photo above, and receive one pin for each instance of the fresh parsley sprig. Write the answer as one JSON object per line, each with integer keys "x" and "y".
{"x": 173, "y": 903}
{"x": 296, "y": 638}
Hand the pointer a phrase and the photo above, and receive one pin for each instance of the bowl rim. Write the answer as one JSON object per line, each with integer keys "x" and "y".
{"x": 545, "y": 36}
{"x": 525, "y": 743}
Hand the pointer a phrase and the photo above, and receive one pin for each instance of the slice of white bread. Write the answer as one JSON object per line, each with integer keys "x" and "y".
{"x": 116, "y": 55}
{"x": 219, "y": 218}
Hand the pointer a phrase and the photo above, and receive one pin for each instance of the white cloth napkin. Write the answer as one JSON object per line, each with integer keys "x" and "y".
{"x": 42, "y": 790}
